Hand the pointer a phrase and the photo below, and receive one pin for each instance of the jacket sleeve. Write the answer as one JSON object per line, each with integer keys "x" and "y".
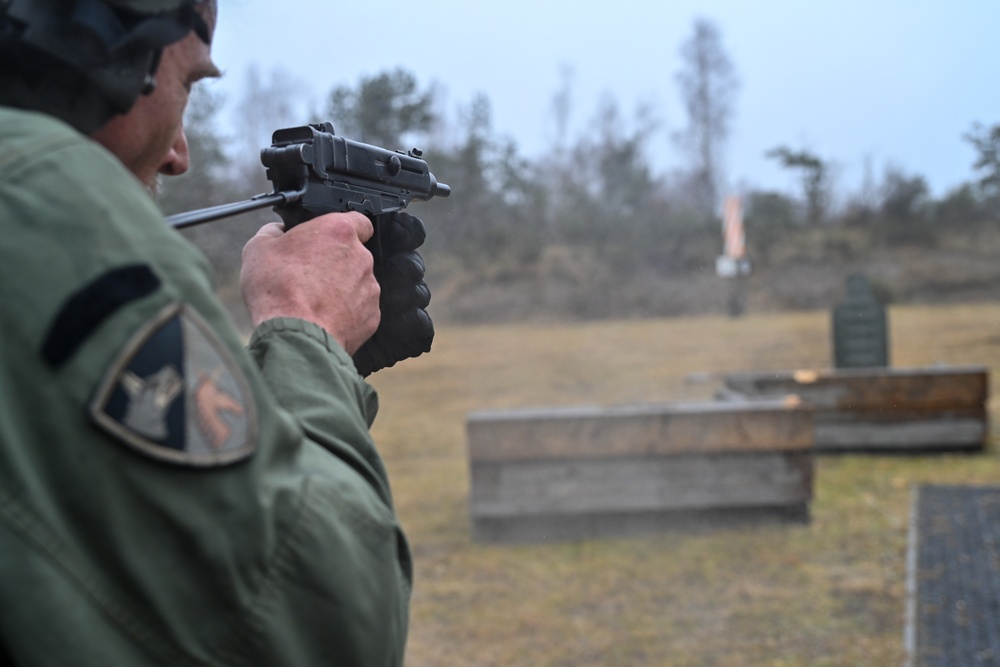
{"x": 312, "y": 377}
{"x": 314, "y": 381}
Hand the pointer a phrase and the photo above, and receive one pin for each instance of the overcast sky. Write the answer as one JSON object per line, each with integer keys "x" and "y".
{"x": 877, "y": 82}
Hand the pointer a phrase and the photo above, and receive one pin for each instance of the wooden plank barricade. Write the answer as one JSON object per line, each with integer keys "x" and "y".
{"x": 589, "y": 472}
{"x": 902, "y": 410}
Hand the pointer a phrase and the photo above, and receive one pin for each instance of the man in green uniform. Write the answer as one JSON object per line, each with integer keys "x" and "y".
{"x": 167, "y": 496}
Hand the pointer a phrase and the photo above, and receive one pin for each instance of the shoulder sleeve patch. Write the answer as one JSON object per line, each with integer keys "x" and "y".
{"x": 175, "y": 393}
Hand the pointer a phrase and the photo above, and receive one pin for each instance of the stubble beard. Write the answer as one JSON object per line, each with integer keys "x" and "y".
{"x": 155, "y": 187}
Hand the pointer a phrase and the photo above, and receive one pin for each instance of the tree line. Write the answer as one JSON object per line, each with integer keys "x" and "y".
{"x": 590, "y": 228}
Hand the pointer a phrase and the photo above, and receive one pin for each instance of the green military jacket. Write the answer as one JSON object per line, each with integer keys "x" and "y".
{"x": 167, "y": 496}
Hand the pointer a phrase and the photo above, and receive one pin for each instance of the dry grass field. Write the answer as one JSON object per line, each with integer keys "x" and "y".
{"x": 830, "y": 592}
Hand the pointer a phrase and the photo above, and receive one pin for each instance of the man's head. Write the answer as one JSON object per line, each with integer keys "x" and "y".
{"x": 98, "y": 63}
{"x": 149, "y": 139}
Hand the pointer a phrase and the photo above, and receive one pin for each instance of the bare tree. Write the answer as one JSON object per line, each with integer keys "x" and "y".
{"x": 708, "y": 85}
{"x": 264, "y": 106}
{"x": 815, "y": 174}
{"x": 562, "y": 103}
{"x": 986, "y": 141}
{"x": 905, "y": 197}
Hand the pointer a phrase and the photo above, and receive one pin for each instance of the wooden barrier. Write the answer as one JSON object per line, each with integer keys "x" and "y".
{"x": 905, "y": 410}
{"x": 583, "y": 472}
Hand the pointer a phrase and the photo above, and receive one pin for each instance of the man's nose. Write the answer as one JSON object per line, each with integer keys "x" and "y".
{"x": 178, "y": 159}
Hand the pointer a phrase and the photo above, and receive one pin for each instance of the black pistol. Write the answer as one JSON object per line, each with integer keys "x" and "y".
{"x": 314, "y": 171}
{"x": 337, "y": 174}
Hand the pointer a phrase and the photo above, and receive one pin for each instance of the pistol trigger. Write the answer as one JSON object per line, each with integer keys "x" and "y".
{"x": 365, "y": 207}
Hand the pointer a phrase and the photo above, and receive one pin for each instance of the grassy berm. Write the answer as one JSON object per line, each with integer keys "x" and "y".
{"x": 830, "y": 592}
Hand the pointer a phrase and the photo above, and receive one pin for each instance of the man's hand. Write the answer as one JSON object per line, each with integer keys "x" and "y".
{"x": 318, "y": 271}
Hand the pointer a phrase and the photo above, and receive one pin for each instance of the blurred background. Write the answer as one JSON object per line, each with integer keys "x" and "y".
{"x": 592, "y": 148}
{"x": 591, "y": 145}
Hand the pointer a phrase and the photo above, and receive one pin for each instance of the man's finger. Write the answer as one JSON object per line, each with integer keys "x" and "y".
{"x": 271, "y": 230}
{"x": 362, "y": 225}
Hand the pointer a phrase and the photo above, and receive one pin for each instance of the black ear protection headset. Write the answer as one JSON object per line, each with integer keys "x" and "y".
{"x": 84, "y": 61}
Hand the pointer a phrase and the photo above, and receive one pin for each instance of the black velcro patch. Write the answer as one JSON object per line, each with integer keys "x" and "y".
{"x": 91, "y": 305}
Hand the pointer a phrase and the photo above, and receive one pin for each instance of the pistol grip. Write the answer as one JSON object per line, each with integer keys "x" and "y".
{"x": 293, "y": 215}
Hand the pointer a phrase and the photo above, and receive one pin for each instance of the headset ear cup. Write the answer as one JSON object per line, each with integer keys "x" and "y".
{"x": 85, "y": 61}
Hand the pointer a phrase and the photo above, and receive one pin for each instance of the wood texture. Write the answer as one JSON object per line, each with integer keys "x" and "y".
{"x": 594, "y": 472}
{"x": 640, "y": 484}
{"x": 905, "y": 410}
{"x": 637, "y": 431}
{"x": 931, "y": 388}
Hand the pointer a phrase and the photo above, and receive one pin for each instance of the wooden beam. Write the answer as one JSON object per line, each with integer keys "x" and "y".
{"x": 562, "y": 473}
{"x": 881, "y": 409}
{"x": 931, "y": 388}
{"x": 638, "y": 430}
